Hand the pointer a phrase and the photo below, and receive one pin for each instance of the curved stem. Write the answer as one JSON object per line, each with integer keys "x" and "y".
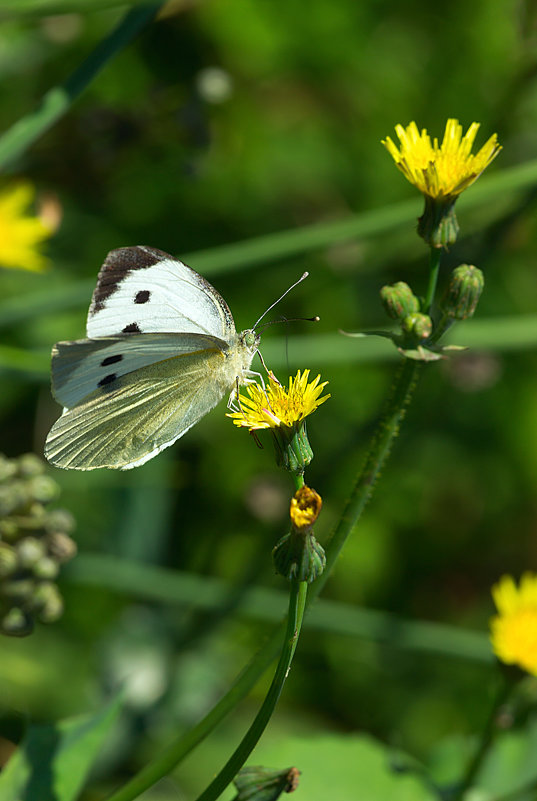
{"x": 434, "y": 268}
{"x": 57, "y": 101}
{"x": 297, "y": 601}
{"x": 487, "y": 738}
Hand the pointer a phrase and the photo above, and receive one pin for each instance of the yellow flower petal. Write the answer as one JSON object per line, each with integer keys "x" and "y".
{"x": 444, "y": 170}
{"x": 514, "y": 629}
{"x": 21, "y": 234}
{"x": 273, "y": 406}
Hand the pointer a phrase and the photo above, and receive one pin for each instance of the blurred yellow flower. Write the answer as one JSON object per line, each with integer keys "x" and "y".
{"x": 275, "y": 406}
{"x": 441, "y": 171}
{"x": 21, "y": 233}
{"x": 514, "y": 629}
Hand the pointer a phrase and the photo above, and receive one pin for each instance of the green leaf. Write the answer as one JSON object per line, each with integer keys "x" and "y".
{"x": 53, "y": 760}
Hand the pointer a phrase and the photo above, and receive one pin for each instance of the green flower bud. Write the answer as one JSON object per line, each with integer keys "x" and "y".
{"x": 43, "y": 489}
{"x": 256, "y": 783}
{"x": 9, "y": 530}
{"x": 418, "y": 325}
{"x": 8, "y": 468}
{"x": 16, "y": 623}
{"x": 46, "y": 568}
{"x": 8, "y": 560}
{"x": 30, "y": 465}
{"x": 59, "y": 520}
{"x": 464, "y": 291}
{"x": 60, "y": 546}
{"x": 13, "y": 496}
{"x": 30, "y": 550}
{"x": 47, "y": 602}
{"x": 398, "y": 300}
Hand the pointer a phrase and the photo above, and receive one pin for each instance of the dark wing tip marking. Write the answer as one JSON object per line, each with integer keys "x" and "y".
{"x": 132, "y": 328}
{"x": 142, "y": 296}
{"x": 118, "y": 264}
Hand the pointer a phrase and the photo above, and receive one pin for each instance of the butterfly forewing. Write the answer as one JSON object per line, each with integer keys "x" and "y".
{"x": 144, "y": 290}
{"x": 80, "y": 368}
{"x": 147, "y": 411}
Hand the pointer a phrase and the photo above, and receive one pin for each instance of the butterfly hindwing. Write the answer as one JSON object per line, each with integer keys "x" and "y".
{"x": 82, "y": 367}
{"x": 146, "y": 411}
{"x": 144, "y": 290}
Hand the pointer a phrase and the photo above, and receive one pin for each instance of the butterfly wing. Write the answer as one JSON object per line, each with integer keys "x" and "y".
{"x": 82, "y": 367}
{"x": 144, "y": 290}
{"x": 127, "y": 421}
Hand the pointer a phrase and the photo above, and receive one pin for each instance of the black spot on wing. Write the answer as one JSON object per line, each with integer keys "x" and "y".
{"x": 142, "y": 296}
{"x": 117, "y": 265}
{"x": 111, "y": 360}
{"x": 107, "y": 380}
{"x": 132, "y": 328}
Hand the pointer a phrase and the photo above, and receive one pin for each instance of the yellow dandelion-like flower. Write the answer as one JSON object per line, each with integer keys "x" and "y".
{"x": 441, "y": 171}
{"x": 21, "y": 233}
{"x": 514, "y": 629}
{"x": 274, "y": 406}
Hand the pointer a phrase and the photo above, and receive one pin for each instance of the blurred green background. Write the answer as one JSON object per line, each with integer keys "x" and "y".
{"x": 233, "y": 120}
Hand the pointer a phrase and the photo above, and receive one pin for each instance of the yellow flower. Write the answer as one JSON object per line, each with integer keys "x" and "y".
{"x": 445, "y": 170}
{"x": 274, "y": 406}
{"x": 21, "y": 234}
{"x": 514, "y": 629}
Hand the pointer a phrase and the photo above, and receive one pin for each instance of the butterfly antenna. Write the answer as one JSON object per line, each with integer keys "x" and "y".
{"x": 280, "y": 298}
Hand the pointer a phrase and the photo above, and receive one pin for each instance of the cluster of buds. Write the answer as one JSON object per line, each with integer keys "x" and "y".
{"x": 34, "y": 542}
{"x": 418, "y": 335}
{"x": 298, "y": 555}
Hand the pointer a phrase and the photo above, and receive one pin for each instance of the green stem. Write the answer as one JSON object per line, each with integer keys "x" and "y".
{"x": 487, "y": 738}
{"x": 297, "y": 601}
{"x": 434, "y": 268}
{"x": 381, "y": 442}
{"x": 170, "y": 757}
{"x": 58, "y": 100}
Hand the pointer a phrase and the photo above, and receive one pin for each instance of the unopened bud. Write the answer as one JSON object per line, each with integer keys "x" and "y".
{"x": 16, "y": 623}
{"x": 256, "y": 783}
{"x": 8, "y": 560}
{"x": 398, "y": 300}
{"x": 60, "y": 546}
{"x": 30, "y": 550}
{"x": 43, "y": 488}
{"x": 30, "y": 465}
{"x": 298, "y": 555}
{"x": 418, "y": 325}
{"x": 464, "y": 291}
{"x": 46, "y": 568}
{"x": 47, "y": 602}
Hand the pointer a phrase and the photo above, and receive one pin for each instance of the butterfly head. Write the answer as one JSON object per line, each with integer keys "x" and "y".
{"x": 250, "y": 339}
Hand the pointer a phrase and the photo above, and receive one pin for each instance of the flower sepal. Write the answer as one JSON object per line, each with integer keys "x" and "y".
{"x": 438, "y": 225}
{"x": 292, "y": 448}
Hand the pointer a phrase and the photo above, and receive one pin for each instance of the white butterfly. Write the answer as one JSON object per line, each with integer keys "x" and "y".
{"x": 162, "y": 350}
